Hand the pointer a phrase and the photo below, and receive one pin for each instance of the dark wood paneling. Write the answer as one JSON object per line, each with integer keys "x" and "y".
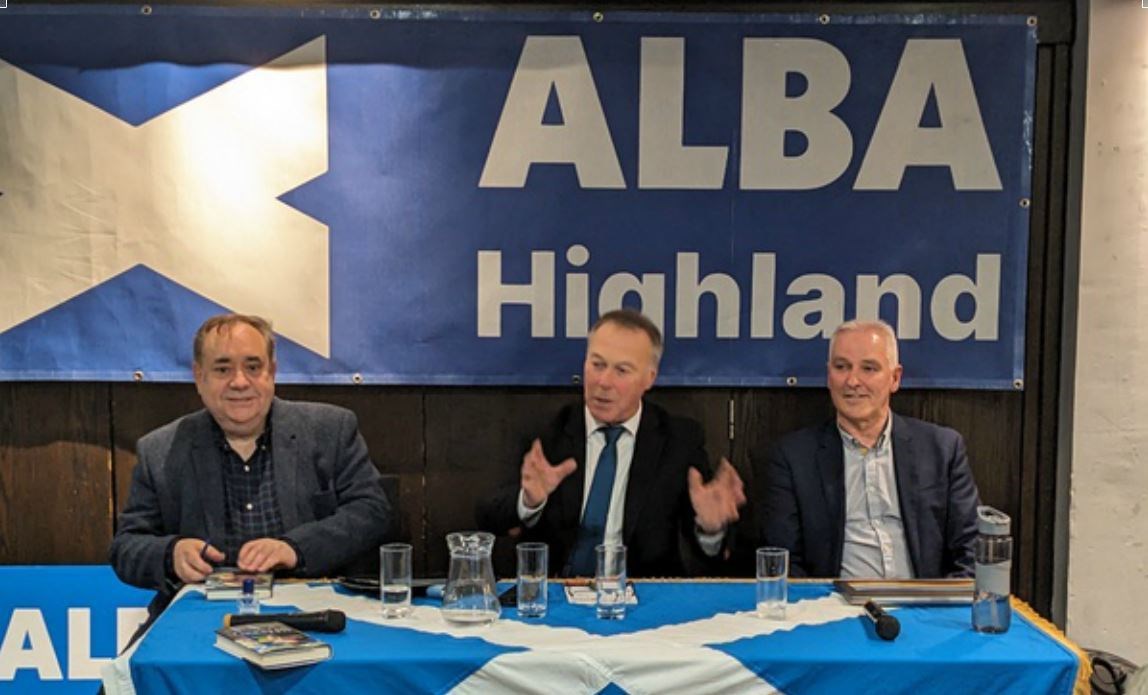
{"x": 136, "y": 410}
{"x": 475, "y": 441}
{"x": 55, "y": 473}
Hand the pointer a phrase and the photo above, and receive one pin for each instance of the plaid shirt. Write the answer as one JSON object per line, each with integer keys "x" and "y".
{"x": 252, "y": 508}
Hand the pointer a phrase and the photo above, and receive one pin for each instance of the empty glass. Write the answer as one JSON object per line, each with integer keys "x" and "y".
{"x": 533, "y": 565}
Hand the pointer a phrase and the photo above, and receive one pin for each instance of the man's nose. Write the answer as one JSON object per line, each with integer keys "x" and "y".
{"x": 239, "y": 380}
{"x": 852, "y": 377}
{"x": 606, "y": 379}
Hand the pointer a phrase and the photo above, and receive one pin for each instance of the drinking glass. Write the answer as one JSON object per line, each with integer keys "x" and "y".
{"x": 533, "y": 565}
{"x": 772, "y": 589}
{"x": 610, "y": 581}
{"x": 395, "y": 579}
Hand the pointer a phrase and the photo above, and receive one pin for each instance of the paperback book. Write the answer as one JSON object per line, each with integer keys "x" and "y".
{"x": 226, "y": 583}
{"x": 272, "y": 645}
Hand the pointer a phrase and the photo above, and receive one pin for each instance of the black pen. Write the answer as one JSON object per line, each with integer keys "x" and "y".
{"x": 203, "y": 553}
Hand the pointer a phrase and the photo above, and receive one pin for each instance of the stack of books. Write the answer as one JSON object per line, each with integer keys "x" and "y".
{"x": 905, "y": 591}
{"x": 272, "y": 645}
{"x": 226, "y": 584}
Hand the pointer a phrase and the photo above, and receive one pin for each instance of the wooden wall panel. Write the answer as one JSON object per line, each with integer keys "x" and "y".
{"x": 475, "y": 440}
{"x": 55, "y": 473}
{"x": 136, "y": 410}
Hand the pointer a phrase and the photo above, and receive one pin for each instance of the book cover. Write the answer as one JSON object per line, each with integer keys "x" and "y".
{"x": 272, "y": 645}
{"x": 226, "y": 583}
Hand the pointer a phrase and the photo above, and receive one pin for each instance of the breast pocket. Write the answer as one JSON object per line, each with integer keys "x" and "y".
{"x": 323, "y": 503}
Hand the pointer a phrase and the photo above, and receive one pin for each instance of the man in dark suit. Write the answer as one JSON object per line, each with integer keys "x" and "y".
{"x": 628, "y": 472}
{"x": 869, "y": 493}
{"x": 251, "y": 481}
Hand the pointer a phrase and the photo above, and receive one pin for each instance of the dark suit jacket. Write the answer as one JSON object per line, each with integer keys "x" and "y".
{"x": 801, "y": 495}
{"x": 330, "y": 496}
{"x": 658, "y": 520}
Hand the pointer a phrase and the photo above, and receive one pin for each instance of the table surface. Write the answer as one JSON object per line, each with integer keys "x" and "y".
{"x": 681, "y": 637}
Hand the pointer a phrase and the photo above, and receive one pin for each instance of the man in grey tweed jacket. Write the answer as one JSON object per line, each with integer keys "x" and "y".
{"x": 251, "y": 481}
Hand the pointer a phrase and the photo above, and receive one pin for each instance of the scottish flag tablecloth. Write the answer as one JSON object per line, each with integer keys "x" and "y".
{"x": 681, "y": 637}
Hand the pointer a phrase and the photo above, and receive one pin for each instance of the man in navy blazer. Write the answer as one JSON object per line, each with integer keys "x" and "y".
{"x": 251, "y": 481}
{"x": 663, "y": 502}
{"x": 869, "y": 493}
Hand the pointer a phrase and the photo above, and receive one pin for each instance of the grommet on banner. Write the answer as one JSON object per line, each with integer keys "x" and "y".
{"x": 1025, "y": 202}
{"x": 823, "y": 19}
{"x": 575, "y": 378}
{"x": 356, "y": 378}
{"x": 791, "y": 381}
{"x": 374, "y": 14}
{"x": 1032, "y": 21}
{"x": 598, "y": 16}
{"x": 145, "y": 10}
{"x": 1018, "y": 384}
{"x": 137, "y": 375}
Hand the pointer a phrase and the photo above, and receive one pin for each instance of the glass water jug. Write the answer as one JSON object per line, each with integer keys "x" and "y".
{"x": 470, "y": 596}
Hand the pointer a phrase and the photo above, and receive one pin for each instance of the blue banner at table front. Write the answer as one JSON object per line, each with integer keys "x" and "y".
{"x": 59, "y": 625}
{"x": 429, "y": 197}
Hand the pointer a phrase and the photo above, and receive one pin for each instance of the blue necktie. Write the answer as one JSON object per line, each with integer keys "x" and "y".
{"x": 593, "y": 528}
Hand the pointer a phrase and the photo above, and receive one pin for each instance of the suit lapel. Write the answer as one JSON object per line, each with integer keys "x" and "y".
{"x": 571, "y": 444}
{"x": 904, "y": 455}
{"x": 285, "y": 462}
{"x": 643, "y": 470}
{"x": 831, "y": 470}
{"x": 207, "y": 466}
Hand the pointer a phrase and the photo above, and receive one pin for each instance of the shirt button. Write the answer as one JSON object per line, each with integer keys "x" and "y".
{"x": 247, "y": 469}
{"x": 250, "y": 506}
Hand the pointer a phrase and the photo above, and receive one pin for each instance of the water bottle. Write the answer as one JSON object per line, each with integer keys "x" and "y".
{"x": 991, "y": 612}
{"x": 248, "y": 603}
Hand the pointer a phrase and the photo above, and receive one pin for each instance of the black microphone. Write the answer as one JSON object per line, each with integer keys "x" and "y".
{"x": 888, "y": 627}
{"x": 322, "y": 621}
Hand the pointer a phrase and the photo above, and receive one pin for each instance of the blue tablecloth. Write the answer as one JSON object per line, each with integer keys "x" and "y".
{"x": 684, "y": 637}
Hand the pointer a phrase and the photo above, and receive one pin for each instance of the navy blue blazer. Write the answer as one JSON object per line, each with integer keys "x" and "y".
{"x": 800, "y": 491}
{"x": 658, "y": 519}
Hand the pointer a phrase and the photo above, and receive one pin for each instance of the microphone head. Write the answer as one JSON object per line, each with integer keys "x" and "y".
{"x": 337, "y": 620}
{"x": 888, "y": 627}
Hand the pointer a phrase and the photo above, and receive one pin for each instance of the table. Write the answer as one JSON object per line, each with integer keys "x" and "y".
{"x": 682, "y": 637}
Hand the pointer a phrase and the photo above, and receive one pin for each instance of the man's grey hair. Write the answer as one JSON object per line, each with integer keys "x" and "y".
{"x": 871, "y": 325}
{"x": 635, "y": 321}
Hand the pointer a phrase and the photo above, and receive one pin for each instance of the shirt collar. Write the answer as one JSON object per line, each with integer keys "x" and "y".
{"x": 882, "y": 439}
{"x": 631, "y": 425}
{"x": 264, "y": 439}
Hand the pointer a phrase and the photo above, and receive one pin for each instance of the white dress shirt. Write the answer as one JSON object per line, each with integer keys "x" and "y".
{"x": 875, "y": 543}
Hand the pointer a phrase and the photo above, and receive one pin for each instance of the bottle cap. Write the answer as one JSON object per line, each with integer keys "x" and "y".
{"x": 992, "y": 522}
{"x": 249, "y": 586}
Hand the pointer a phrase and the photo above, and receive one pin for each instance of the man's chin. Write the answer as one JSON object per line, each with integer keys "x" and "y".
{"x": 602, "y": 414}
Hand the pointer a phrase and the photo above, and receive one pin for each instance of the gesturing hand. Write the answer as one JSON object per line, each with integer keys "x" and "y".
{"x": 539, "y": 478}
{"x": 715, "y": 503}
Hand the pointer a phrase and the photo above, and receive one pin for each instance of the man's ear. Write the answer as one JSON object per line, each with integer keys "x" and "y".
{"x": 897, "y": 371}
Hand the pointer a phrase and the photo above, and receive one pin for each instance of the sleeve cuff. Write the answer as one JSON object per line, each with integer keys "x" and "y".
{"x": 528, "y": 515}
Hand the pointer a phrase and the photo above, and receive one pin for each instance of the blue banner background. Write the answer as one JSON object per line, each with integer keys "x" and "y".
{"x": 413, "y": 102}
